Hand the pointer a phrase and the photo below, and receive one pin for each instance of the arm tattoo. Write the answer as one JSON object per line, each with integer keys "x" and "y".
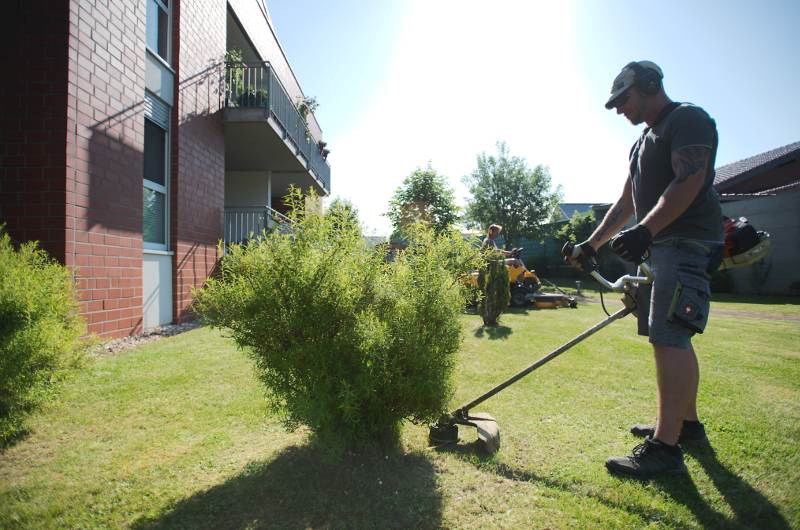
{"x": 613, "y": 215}
{"x": 687, "y": 161}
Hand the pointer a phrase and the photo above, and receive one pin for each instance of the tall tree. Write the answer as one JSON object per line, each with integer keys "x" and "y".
{"x": 423, "y": 196}
{"x": 505, "y": 191}
{"x": 344, "y": 213}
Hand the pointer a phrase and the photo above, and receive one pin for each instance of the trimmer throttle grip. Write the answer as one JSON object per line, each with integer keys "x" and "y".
{"x": 581, "y": 261}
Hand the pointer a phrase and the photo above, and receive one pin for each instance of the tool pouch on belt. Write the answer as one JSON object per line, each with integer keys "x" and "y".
{"x": 690, "y": 302}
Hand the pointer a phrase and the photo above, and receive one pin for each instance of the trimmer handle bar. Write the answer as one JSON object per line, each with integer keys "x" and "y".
{"x": 588, "y": 265}
{"x": 624, "y": 281}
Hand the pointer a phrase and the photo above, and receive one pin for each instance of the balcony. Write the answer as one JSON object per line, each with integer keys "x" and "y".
{"x": 265, "y": 131}
{"x": 242, "y": 224}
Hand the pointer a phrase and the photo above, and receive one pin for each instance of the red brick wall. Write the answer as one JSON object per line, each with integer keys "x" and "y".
{"x": 72, "y": 140}
{"x": 33, "y": 122}
{"x": 104, "y": 161}
{"x": 198, "y": 159}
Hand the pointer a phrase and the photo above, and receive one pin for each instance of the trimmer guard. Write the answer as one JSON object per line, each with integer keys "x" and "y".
{"x": 488, "y": 431}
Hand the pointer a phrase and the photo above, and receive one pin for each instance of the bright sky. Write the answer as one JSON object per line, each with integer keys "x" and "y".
{"x": 401, "y": 83}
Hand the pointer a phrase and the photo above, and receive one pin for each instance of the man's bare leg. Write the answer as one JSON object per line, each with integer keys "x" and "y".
{"x": 691, "y": 410}
{"x": 676, "y": 374}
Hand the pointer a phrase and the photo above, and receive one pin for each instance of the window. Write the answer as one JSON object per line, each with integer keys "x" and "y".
{"x": 154, "y": 198}
{"x": 158, "y": 28}
{"x": 154, "y": 153}
{"x": 153, "y": 217}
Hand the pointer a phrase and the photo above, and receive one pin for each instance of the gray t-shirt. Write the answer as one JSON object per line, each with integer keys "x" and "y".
{"x": 651, "y": 172}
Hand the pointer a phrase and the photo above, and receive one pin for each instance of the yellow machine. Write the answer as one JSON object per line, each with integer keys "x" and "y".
{"x": 525, "y": 285}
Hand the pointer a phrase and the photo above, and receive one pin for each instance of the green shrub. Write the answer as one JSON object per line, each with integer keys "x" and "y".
{"x": 345, "y": 342}
{"x": 493, "y": 280}
{"x": 40, "y": 330}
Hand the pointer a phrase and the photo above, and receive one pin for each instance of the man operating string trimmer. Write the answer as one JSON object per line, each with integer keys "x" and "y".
{"x": 679, "y": 230}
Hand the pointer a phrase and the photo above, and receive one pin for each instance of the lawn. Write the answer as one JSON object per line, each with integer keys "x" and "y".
{"x": 174, "y": 434}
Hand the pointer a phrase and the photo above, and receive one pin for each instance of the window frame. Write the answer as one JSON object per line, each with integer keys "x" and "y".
{"x": 167, "y": 8}
{"x": 159, "y": 188}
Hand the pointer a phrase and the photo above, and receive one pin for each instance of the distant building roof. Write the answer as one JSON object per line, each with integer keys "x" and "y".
{"x": 731, "y": 197}
{"x": 569, "y": 208}
{"x": 731, "y": 175}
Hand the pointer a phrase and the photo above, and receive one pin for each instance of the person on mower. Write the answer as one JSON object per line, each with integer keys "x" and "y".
{"x": 679, "y": 231}
{"x": 491, "y": 243}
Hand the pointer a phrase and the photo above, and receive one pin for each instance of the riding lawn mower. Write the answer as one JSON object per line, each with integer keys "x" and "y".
{"x": 525, "y": 286}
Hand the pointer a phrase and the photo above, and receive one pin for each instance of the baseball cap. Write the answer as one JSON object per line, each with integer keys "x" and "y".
{"x": 627, "y": 78}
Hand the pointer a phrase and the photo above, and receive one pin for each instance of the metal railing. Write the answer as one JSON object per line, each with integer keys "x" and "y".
{"x": 242, "y": 224}
{"x": 257, "y": 85}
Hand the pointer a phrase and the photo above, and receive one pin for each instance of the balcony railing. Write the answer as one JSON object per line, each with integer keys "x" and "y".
{"x": 257, "y": 85}
{"x": 242, "y": 224}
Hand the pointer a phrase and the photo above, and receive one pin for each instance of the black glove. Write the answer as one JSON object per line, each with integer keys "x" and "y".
{"x": 632, "y": 244}
{"x": 581, "y": 254}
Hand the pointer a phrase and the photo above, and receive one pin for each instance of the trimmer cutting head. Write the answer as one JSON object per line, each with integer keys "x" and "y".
{"x": 445, "y": 431}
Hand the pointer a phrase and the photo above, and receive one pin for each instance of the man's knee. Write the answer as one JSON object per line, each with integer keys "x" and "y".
{"x": 666, "y": 350}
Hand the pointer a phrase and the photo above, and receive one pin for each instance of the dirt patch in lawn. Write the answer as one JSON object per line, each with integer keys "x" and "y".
{"x": 754, "y": 314}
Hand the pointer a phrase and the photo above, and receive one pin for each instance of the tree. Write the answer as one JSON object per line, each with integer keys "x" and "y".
{"x": 505, "y": 191}
{"x": 344, "y": 212}
{"x": 424, "y": 196}
{"x": 577, "y": 229}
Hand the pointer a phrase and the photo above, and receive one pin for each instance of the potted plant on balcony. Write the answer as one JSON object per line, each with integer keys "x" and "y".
{"x": 322, "y": 148}
{"x": 234, "y": 77}
{"x": 253, "y": 97}
{"x": 306, "y": 106}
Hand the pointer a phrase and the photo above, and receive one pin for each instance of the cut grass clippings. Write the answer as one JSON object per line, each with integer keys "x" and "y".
{"x": 174, "y": 434}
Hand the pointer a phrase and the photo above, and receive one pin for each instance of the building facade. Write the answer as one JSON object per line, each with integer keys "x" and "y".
{"x": 138, "y": 135}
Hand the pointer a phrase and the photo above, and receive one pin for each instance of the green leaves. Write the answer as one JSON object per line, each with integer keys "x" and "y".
{"x": 345, "y": 342}
{"x": 40, "y": 329}
{"x": 494, "y": 284}
{"x": 423, "y": 197}
{"x": 505, "y": 191}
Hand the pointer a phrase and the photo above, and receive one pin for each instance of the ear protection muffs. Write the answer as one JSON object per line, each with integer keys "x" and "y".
{"x": 648, "y": 81}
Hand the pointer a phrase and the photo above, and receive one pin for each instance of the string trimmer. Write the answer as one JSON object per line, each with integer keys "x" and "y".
{"x": 445, "y": 431}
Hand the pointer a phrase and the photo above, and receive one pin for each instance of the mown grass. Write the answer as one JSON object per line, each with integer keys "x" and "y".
{"x": 174, "y": 435}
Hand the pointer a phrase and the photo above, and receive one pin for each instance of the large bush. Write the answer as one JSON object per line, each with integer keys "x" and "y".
{"x": 345, "y": 342}
{"x": 40, "y": 330}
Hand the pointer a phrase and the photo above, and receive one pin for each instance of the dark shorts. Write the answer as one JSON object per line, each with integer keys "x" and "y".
{"x": 676, "y": 305}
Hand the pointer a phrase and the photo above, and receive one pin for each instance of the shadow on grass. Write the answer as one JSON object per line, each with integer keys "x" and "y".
{"x": 476, "y": 454}
{"x": 751, "y": 509}
{"x": 13, "y": 438}
{"x": 303, "y": 488}
{"x": 494, "y": 332}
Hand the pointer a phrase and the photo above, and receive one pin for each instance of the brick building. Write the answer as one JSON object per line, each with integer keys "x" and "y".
{"x": 130, "y": 147}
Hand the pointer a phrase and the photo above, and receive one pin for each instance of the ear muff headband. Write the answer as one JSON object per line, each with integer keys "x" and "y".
{"x": 647, "y": 80}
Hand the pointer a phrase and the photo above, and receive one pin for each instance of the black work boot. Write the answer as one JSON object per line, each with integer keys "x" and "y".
{"x": 691, "y": 431}
{"x": 651, "y": 458}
